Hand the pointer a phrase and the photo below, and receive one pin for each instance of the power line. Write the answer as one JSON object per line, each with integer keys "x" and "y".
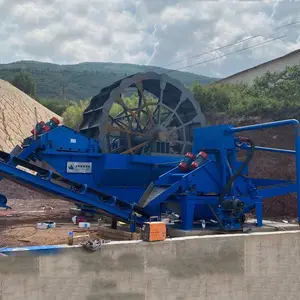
{"x": 213, "y": 50}
{"x": 287, "y": 25}
{"x": 228, "y": 45}
{"x": 226, "y": 54}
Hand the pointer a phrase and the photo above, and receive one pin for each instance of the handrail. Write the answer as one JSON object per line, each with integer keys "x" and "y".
{"x": 296, "y": 152}
{"x": 265, "y": 125}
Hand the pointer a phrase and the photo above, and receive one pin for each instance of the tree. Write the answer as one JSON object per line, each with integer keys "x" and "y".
{"x": 55, "y": 105}
{"x": 213, "y": 98}
{"x": 73, "y": 114}
{"x": 272, "y": 96}
{"x": 25, "y": 82}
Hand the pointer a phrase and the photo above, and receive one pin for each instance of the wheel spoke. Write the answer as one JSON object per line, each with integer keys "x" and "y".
{"x": 110, "y": 128}
{"x": 140, "y": 89}
{"x": 119, "y": 123}
{"x": 182, "y": 126}
{"x": 154, "y": 112}
{"x": 133, "y": 149}
{"x": 140, "y": 106}
{"x": 125, "y": 107}
{"x": 182, "y": 142}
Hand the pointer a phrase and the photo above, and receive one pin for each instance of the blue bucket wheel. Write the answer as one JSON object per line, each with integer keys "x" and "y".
{"x": 158, "y": 120}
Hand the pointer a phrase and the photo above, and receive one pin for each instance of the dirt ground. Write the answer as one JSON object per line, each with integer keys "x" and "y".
{"x": 17, "y": 226}
{"x": 271, "y": 165}
{"x": 275, "y": 165}
{"x": 28, "y": 235}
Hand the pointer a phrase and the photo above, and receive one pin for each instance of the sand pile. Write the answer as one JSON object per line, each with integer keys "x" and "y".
{"x": 17, "y": 115}
{"x": 17, "y": 118}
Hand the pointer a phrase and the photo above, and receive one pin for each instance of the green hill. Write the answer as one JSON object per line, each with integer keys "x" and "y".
{"x": 85, "y": 80}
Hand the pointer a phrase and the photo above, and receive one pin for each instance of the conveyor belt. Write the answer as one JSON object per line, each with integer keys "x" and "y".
{"x": 52, "y": 184}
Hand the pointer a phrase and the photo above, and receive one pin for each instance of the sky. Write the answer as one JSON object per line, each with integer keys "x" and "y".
{"x": 172, "y": 33}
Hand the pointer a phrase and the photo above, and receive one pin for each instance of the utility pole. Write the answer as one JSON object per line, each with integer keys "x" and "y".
{"x": 64, "y": 94}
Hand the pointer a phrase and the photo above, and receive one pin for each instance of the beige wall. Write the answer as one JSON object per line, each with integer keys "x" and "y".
{"x": 247, "y": 77}
{"x": 254, "y": 266}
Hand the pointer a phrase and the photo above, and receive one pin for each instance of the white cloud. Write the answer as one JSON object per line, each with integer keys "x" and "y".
{"x": 155, "y": 32}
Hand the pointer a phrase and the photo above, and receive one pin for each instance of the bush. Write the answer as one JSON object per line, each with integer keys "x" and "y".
{"x": 25, "y": 82}
{"x": 273, "y": 95}
{"x": 55, "y": 105}
{"x": 73, "y": 114}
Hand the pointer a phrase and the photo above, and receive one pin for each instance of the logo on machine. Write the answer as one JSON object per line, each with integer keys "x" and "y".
{"x": 79, "y": 167}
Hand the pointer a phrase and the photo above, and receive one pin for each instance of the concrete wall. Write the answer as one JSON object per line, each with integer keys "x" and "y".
{"x": 278, "y": 65}
{"x": 256, "y": 266}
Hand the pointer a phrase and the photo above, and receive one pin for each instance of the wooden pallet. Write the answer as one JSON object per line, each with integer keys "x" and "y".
{"x": 117, "y": 234}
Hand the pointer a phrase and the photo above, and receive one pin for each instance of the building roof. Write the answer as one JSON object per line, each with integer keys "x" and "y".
{"x": 263, "y": 64}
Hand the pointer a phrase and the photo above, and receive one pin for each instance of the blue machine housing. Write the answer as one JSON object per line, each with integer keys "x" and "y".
{"x": 133, "y": 188}
{"x": 124, "y": 176}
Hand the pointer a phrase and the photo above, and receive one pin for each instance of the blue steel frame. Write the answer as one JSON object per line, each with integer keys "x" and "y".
{"x": 290, "y": 186}
{"x": 92, "y": 194}
{"x": 221, "y": 138}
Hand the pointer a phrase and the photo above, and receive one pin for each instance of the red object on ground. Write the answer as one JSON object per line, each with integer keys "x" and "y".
{"x": 80, "y": 219}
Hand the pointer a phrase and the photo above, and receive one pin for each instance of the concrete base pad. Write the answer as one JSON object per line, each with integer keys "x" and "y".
{"x": 250, "y": 226}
